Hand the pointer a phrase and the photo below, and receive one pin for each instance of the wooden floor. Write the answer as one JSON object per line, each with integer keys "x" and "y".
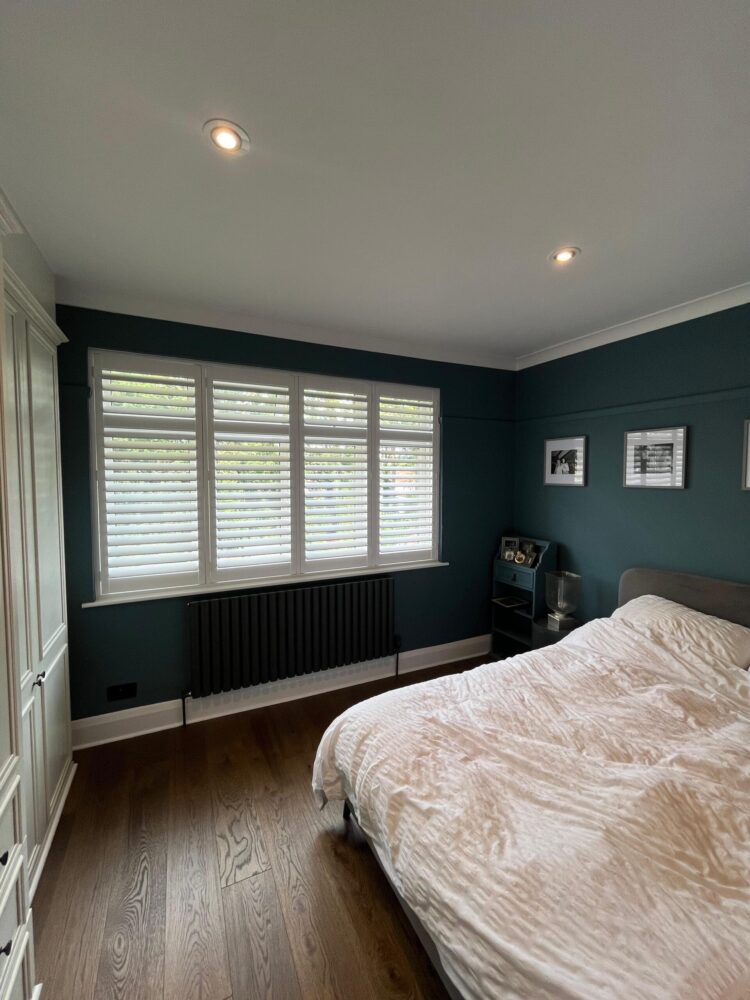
{"x": 194, "y": 863}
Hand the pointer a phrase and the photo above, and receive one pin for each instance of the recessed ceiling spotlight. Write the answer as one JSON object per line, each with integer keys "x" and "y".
{"x": 227, "y": 136}
{"x": 564, "y": 255}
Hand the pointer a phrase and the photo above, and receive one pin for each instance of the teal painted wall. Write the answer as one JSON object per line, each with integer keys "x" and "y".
{"x": 696, "y": 373}
{"x": 146, "y": 642}
{"x": 494, "y": 426}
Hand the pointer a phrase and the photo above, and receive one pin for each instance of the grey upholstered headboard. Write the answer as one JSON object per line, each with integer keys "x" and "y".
{"x": 721, "y": 598}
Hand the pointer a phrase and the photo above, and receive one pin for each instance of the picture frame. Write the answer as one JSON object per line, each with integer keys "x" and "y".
{"x": 508, "y": 548}
{"x": 655, "y": 458}
{"x": 565, "y": 461}
{"x": 746, "y": 458}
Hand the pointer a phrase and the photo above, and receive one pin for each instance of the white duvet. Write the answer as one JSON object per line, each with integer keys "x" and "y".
{"x": 573, "y": 822}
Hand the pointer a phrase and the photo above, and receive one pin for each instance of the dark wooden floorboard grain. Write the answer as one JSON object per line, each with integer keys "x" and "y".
{"x": 323, "y": 944}
{"x": 131, "y": 965}
{"x": 193, "y": 864}
{"x": 260, "y": 959}
{"x": 74, "y": 925}
{"x": 55, "y": 868}
{"x": 241, "y": 849}
{"x": 196, "y": 966}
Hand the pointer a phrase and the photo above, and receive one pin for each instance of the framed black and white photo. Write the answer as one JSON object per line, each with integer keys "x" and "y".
{"x": 746, "y": 458}
{"x": 656, "y": 458}
{"x": 565, "y": 461}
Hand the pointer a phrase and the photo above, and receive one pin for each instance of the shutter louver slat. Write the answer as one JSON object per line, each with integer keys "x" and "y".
{"x": 252, "y": 477}
{"x": 150, "y": 479}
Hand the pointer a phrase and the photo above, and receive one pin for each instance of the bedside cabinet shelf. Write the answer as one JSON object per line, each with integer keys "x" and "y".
{"x": 512, "y": 627}
{"x": 542, "y": 636}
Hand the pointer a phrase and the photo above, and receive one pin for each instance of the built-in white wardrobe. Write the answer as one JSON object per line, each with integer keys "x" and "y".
{"x": 36, "y": 767}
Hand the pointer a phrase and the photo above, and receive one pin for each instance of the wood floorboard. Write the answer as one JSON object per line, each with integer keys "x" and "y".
{"x": 323, "y": 944}
{"x": 74, "y": 930}
{"x": 131, "y": 964}
{"x": 260, "y": 959}
{"x": 193, "y": 864}
{"x": 241, "y": 849}
{"x": 54, "y": 869}
{"x": 196, "y": 966}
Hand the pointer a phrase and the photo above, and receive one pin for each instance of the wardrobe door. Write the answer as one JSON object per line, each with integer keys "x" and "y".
{"x": 21, "y": 572}
{"x": 50, "y": 639}
{"x": 45, "y": 491}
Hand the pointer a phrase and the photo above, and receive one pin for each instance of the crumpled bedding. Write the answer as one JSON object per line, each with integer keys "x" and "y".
{"x": 573, "y": 822}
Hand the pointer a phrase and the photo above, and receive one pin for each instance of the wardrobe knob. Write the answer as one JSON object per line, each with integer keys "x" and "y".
{"x": 4, "y": 859}
{"x": 39, "y": 679}
{"x": 6, "y": 949}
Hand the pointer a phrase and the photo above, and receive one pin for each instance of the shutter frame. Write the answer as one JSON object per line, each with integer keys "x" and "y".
{"x": 348, "y": 426}
{"x": 227, "y": 384}
{"x": 395, "y": 426}
{"x": 182, "y": 487}
{"x": 127, "y": 485}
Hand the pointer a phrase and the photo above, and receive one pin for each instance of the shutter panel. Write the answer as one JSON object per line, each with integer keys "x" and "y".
{"x": 211, "y": 475}
{"x": 148, "y": 481}
{"x": 335, "y": 455}
{"x": 407, "y": 476}
{"x": 252, "y": 504}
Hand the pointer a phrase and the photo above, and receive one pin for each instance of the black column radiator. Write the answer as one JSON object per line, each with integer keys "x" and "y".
{"x": 236, "y": 642}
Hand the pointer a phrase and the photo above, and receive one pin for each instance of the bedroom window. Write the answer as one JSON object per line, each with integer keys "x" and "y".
{"x": 213, "y": 476}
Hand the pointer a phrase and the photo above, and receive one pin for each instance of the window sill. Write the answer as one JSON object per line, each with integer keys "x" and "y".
{"x": 269, "y": 581}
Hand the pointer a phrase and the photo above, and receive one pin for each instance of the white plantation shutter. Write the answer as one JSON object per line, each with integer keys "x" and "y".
{"x": 335, "y": 461}
{"x": 147, "y": 465}
{"x": 208, "y": 476}
{"x": 407, "y": 474}
{"x": 251, "y": 501}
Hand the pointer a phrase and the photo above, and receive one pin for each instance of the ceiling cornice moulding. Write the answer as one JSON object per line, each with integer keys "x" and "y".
{"x": 72, "y": 294}
{"x": 694, "y": 309}
{"x": 10, "y": 224}
{"x": 23, "y": 296}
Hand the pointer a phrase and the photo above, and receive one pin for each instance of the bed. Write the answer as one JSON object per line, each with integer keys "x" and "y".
{"x": 573, "y": 822}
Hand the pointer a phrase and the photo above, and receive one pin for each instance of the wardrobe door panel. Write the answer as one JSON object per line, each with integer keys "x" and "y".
{"x": 17, "y": 470}
{"x": 46, "y": 491}
{"x": 32, "y": 778}
{"x": 6, "y": 745}
{"x": 55, "y": 714}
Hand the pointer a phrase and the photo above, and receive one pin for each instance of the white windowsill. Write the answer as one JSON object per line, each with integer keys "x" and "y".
{"x": 268, "y": 581}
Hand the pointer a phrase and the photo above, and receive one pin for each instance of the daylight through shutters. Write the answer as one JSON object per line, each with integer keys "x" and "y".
{"x": 148, "y": 479}
{"x": 335, "y": 424}
{"x": 252, "y": 478}
{"x": 214, "y": 475}
{"x": 407, "y": 479}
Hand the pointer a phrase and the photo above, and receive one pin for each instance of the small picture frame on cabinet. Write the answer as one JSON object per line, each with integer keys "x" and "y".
{"x": 746, "y": 458}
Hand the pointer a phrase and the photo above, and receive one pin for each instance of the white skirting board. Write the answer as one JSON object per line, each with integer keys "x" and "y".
{"x": 129, "y": 722}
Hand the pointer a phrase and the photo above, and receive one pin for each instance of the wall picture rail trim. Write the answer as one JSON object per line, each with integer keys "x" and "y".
{"x": 668, "y": 403}
{"x": 130, "y": 722}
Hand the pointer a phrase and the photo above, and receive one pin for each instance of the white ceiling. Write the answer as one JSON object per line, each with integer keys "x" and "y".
{"x": 413, "y": 162}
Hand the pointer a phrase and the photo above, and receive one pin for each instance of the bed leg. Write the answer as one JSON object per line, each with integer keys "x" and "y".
{"x": 347, "y": 811}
